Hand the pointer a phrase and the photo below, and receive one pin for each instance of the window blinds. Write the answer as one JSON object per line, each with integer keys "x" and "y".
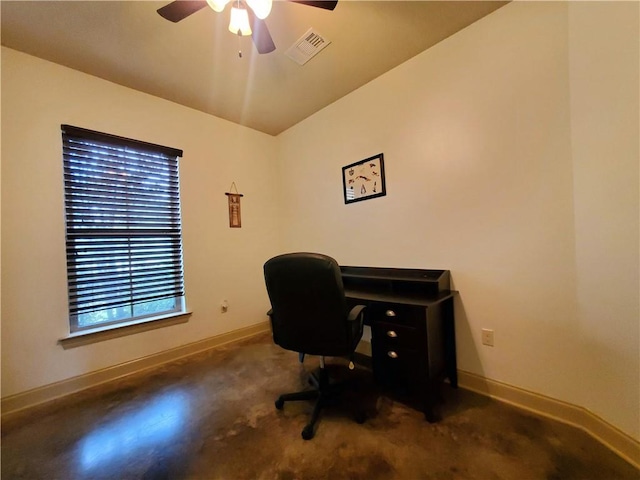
{"x": 123, "y": 225}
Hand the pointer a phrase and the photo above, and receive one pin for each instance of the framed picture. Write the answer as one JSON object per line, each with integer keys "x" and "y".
{"x": 364, "y": 179}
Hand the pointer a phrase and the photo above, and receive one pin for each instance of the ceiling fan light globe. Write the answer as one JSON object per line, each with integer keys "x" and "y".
{"x": 239, "y": 23}
{"x": 217, "y": 5}
{"x": 262, "y": 8}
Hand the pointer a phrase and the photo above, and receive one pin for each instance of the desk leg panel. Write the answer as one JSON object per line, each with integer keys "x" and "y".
{"x": 450, "y": 342}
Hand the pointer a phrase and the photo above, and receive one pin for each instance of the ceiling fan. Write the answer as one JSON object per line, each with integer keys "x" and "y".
{"x": 247, "y": 16}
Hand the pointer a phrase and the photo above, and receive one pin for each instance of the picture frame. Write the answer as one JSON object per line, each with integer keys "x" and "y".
{"x": 364, "y": 180}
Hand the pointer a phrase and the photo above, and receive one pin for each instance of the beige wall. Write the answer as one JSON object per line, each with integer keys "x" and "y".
{"x": 511, "y": 155}
{"x": 220, "y": 263}
{"x": 496, "y": 158}
{"x": 605, "y": 123}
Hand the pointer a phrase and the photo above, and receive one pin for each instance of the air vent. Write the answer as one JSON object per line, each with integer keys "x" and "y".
{"x": 307, "y": 47}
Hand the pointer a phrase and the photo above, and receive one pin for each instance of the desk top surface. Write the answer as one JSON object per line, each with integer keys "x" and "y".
{"x": 391, "y": 297}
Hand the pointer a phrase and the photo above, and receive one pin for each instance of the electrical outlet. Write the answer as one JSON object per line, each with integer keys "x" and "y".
{"x": 224, "y": 306}
{"x": 487, "y": 337}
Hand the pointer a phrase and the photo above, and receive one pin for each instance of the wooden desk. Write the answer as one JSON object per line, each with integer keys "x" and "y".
{"x": 410, "y": 313}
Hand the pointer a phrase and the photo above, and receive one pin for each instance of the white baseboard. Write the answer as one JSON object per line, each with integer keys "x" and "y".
{"x": 613, "y": 438}
{"x": 46, "y": 393}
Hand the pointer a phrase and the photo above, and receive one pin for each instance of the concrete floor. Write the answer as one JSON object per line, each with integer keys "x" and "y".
{"x": 212, "y": 416}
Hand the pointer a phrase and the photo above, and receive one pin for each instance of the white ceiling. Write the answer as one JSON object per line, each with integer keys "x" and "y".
{"x": 195, "y": 62}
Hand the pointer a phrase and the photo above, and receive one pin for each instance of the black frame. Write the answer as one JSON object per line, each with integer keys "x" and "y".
{"x": 364, "y": 166}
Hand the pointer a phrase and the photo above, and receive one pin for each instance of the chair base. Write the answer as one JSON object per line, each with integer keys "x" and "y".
{"x": 324, "y": 391}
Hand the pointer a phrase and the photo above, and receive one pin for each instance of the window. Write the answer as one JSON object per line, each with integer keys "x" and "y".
{"x": 123, "y": 229}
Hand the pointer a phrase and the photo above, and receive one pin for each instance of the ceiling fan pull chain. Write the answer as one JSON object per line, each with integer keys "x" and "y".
{"x": 239, "y": 37}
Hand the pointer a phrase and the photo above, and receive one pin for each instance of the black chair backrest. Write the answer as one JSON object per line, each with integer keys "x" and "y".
{"x": 309, "y": 309}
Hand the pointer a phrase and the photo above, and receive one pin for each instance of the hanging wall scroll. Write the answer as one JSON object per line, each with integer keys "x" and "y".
{"x": 235, "y": 220}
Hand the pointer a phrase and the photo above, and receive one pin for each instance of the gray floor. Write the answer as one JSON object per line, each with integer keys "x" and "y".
{"x": 212, "y": 417}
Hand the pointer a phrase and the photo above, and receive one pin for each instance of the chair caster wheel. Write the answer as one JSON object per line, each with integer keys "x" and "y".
{"x": 279, "y": 404}
{"x": 430, "y": 416}
{"x": 307, "y": 432}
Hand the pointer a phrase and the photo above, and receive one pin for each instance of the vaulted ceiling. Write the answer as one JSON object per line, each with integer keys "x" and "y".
{"x": 195, "y": 62}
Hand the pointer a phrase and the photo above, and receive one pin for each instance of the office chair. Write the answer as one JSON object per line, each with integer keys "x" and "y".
{"x": 309, "y": 315}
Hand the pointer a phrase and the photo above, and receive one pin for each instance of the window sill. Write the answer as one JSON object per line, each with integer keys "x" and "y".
{"x": 95, "y": 335}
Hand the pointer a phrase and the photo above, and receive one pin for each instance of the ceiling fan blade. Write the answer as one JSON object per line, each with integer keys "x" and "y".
{"x": 326, "y": 4}
{"x": 181, "y": 9}
{"x": 260, "y": 34}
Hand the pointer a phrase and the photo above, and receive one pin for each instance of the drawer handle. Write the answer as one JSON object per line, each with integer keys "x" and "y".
{"x": 392, "y": 354}
{"x": 390, "y": 313}
{"x": 392, "y": 334}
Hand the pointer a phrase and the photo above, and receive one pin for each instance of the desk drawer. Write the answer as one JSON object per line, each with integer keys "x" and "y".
{"x": 391, "y": 335}
{"x": 399, "y": 367}
{"x": 398, "y": 314}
